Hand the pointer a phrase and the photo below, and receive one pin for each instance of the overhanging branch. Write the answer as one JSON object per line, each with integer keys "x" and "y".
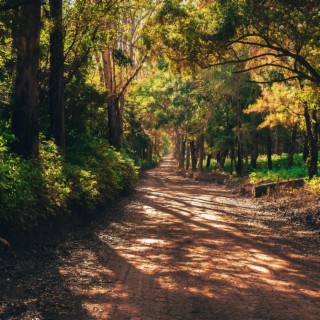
{"x": 274, "y": 80}
{"x": 13, "y": 4}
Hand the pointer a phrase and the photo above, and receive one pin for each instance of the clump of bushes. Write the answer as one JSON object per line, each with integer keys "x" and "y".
{"x": 280, "y": 174}
{"x": 98, "y": 172}
{"x": 313, "y": 185}
{"x": 36, "y": 188}
{"x": 147, "y": 164}
{"x": 280, "y": 170}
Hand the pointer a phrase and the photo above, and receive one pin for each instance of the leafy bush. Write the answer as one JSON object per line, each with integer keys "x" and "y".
{"x": 280, "y": 171}
{"x": 34, "y": 188}
{"x": 280, "y": 174}
{"x": 98, "y": 171}
{"x": 313, "y": 185}
{"x": 31, "y": 188}
{"x": 148, "y": 164}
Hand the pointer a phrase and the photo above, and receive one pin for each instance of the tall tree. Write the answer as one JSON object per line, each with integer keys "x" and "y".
{"x": 56, "y": 85}
{"x": 25, "y": 117}
{"x": 123, "y": 58}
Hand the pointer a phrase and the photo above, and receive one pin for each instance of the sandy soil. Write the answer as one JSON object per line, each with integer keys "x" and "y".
{"x": 175, "y": 249}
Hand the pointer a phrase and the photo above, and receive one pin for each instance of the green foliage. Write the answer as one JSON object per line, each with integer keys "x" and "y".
{"x": 313, "y": 185}
{"x": 280, "y": 171}
{"x": 148, "y": 164}
{"x": 30, "y": 189}
{"x": 35, "y": 188}
{"x": 98, "y": 172}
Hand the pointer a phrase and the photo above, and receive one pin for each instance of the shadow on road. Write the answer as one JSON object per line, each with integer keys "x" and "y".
{"x": 177, "y": 249}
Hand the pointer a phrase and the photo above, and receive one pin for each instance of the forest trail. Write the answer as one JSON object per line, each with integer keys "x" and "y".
{"x": 175, "y": 249}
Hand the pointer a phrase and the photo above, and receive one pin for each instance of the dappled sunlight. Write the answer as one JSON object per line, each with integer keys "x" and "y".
{"x": 258, "y": 269}
{"x": 185, "y": 255}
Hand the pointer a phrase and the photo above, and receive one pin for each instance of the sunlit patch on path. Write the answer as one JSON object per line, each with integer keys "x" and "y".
{"x": 185, "y": 257}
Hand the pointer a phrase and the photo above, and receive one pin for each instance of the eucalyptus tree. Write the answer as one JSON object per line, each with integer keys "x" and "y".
{"x": 25, "y": 112}
{"x": 56, "y": 81}
{"x": 123, "y": 56}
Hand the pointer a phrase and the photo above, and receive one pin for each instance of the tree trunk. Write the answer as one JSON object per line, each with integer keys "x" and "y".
{"x": 269, "y": 149}
{"x": 209, "y": 157}
{"x": 232, "y": 160}
{"x": 100, "y": 68}
{"x": 239, "y": 166}
{"x": 25, "y": 112}
{"x": 254, "y": 152}
{"x": 193, "y": 156}
{"x": 150, "y": 153}
{"x": 115, "y": 132}
{"x": 181, "y": 149}
{"x": 292, "y": 146}
{"x": 115, "y": 123}
{"x": 223, "y": 157}
{"x": 56, "y": 86}
{"x": 277, "y": 141}
{"x": 312, "y": 132}
{"x": 305, "y": 149}
{"x": 188, "y": 157}
{"x": 218, "y": 157}
{"x": 177, "y": 147}
{"x": 201, "y": 152}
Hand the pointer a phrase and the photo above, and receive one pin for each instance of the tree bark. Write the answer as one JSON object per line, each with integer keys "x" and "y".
{"x": 209, "y": 157}
{"x": 193, "y": 156}
{"x": 100, "y": 68}
{"x": 269, "y": 149}
{"x": 188, "y": 157}
{"x": 239, "y": 166}
{"x": 292, "y": 146}
{"x": 223, "y": 156}
{"x": 312, "y": 132}
{"x": 177, "y": 147}
{"x": 305, "y": 149}
{"x": 25, "y": 113}
{"x": 232, "y": 160}
{"x": 56, "y": 85}
{"x": 201, "y": 151}
{"x": 254, "y": 152}
{"x": 182, "y": 151}
{"x": 218, "y": 157}
{"x": 115, "y": 132}
{"x": 115, "y": 122}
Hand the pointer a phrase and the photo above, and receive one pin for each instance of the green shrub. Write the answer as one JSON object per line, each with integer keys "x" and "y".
{"x": 30, "y": 189}
{"x": 98, "y": 171}
{"x": 148, "y": 164}
{"x": 92, "y": 173}
{"x": 313, "y": 185}
{"x": 278, "y": 174}
{"x": 279, "y": 171}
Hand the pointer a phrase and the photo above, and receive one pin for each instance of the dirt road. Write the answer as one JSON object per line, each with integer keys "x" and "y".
{"x": 176, "y": 249}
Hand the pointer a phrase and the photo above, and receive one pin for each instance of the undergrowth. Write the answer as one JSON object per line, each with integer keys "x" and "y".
{"x": 90, "y": 174}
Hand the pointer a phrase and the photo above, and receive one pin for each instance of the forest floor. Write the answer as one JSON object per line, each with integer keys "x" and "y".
{"x": 175, "y": 249}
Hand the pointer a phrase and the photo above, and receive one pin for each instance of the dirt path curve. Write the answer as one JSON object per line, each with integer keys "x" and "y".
{"x": 181, "y": 250}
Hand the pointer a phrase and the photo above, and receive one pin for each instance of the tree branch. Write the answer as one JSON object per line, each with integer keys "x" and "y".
{"x": 132, "y": 77}
{"x": 274, "y": 80}
{"x": 13, "y": 4}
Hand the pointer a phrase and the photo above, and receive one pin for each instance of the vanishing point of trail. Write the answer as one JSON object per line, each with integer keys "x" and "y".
{"x": 187, "y": 250}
